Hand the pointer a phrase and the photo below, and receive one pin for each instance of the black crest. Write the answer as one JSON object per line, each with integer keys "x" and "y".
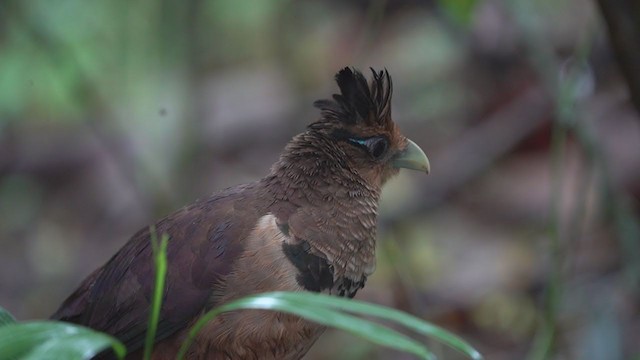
{"x": 359, "y": 102}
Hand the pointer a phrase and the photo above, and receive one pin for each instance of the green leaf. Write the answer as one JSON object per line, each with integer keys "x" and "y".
{"x": 335, "y": 312}
{"x": 160, "y": 260}
{"x": 460, "y": 10}
{"x": 6, "y": 318}
{"x": 54, "y": 340}
{"x": 411, "y": 322}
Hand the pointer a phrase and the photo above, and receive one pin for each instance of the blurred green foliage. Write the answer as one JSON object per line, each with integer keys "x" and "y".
{"x": 460, "y": 10}
{"x": 35, "y": 340}
{"x": 51, "y": 53}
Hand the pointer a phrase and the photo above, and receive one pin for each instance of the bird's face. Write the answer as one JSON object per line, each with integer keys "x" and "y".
{"x": 359, "y": 123}
{"x": 378, "y": 153}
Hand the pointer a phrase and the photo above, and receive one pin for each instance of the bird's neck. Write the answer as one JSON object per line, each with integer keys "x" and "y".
{"x": 312, "y": 165}
{"x": 313, "y": 178}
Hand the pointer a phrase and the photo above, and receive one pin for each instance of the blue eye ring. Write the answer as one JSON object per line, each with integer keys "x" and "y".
{"x": 362, "y": 142}
{"x": 376, "y": 146}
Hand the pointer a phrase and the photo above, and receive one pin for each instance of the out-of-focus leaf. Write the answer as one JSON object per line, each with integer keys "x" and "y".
{"x": 460, "y": 10}
{"x": 418, "y": 325}
{"x": 160, "y": 260}
{"x": 54, "y": 340}
{"x": 6, "y": 318}
{"x": 337, "y": 313}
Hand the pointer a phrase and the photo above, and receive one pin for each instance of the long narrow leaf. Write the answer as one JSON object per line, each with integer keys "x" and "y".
{"x": 359, "y": 307}
{"x": 160, "y": 260}
{"x": 322, "y": 315}
{"x": 6, "y": 318}
{"x": 54, "y": 340}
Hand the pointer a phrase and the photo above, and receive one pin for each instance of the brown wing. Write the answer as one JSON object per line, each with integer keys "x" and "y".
{"x": 205, "y": 239}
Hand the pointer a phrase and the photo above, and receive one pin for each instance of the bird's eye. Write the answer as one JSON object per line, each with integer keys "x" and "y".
{"x": 376, "y": 146}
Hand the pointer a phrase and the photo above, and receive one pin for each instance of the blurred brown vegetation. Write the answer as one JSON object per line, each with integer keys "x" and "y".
{"x": 524, "y": 240}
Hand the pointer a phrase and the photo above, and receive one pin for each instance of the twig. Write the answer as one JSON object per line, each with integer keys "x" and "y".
{"x": 623, "y": 21}
{"x": 476, "y": 149}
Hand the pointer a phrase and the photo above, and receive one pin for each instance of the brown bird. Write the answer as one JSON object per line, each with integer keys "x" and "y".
{"x": 310, "y": 224}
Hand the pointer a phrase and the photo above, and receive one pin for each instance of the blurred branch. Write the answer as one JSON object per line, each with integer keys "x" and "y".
{"x": 371, "y": 28}
{"x": 546, "y": 337}
{"x": 477, "y": 148}
{"x": 623, "y": 21}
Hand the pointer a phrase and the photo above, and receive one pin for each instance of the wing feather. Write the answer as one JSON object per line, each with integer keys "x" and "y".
{"x": 205, "y": 240}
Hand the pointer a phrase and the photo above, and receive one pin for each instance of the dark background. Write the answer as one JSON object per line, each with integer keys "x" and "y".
{"x": 524, "y": 239}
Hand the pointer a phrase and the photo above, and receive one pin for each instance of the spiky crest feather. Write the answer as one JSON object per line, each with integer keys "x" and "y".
{"x": 359, "y": 102}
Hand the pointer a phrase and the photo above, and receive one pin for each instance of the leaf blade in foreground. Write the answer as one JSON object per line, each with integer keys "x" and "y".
{"x": 56, "y": 340}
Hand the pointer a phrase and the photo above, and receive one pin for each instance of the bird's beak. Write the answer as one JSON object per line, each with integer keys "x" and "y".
{"x": 412, "y": 157}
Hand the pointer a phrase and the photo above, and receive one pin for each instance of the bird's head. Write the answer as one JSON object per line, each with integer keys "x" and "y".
{"x": 357, "y": 123}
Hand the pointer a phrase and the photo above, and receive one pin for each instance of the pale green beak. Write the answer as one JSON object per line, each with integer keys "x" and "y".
{"x": 412, "y": 157}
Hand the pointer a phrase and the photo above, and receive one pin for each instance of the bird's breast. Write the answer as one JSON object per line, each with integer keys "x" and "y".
{"x": 257, "y": 334}
{"x": 272, "y": 260}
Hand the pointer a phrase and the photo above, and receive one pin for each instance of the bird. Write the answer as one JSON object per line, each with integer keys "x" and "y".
{"x": 308, "y": 225}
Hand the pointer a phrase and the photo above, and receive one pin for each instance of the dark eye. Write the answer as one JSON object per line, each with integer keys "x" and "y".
{"x": 376, "y": 146}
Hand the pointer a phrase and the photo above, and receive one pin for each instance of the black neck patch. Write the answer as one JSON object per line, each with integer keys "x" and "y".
{"x": 315, "y": 273}
{"x": 347, "y": 287}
